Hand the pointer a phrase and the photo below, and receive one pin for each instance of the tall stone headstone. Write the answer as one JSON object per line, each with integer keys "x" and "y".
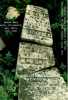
{"x": 38, "y": 78}
{"x": 36, "y": 52}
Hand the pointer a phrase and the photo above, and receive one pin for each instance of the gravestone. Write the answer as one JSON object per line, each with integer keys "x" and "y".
{"x": 36, "y": 26}
{"x": 2, "y": 44}
{"x": 39, "y": 79}
{"x": 36, "y": 52}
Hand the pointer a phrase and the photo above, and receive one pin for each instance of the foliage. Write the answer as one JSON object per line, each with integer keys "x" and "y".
{"x": 8, "y": 85}
{"x": 3, "y": 94}
{"x": 9, "y": 58}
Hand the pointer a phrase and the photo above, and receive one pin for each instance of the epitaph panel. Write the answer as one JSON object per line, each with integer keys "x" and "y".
{"x": 43, "y": 85}
{"x": 33, "y": 57}
{"x": 36, "y": 25}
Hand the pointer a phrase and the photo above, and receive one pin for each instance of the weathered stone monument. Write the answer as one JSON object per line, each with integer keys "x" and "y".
{"x": 39, "y": 79}
{"x": 36, "y": 52}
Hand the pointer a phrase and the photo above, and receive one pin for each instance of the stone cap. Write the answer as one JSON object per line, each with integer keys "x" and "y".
{"x": 36, "y": 25}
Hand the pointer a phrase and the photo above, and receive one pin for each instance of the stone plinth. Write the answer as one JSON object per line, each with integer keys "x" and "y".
{"x": 43, "y": 85}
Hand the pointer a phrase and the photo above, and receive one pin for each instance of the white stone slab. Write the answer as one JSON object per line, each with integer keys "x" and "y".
{"x": 36, "y": 25}
{"x": 33, "y": 57}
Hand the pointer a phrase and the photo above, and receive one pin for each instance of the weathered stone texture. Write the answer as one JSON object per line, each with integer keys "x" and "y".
{"x": 36, "y": 80}
{"x": 33, "y": 57}
{"x": 43, "y": 85}
{"x": 36, "y": 25}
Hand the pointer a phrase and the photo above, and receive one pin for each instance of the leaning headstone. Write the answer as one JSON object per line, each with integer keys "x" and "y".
{"x": 33, "y": 57}
{"x": 36, "y": 26}
{"x": 2, "y": 44}
{"x": 43, "y": 85}
{"x": 38, "y": 80}
{"x": 36, "y": 52}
